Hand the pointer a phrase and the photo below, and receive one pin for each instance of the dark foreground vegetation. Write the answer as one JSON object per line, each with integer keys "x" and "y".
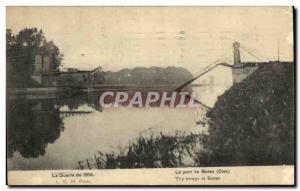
{"x": 151, "y": 152}
{"x": 251, "y": 124}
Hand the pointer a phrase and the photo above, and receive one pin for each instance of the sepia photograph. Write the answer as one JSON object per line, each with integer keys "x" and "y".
{"x": 200, "y": 95}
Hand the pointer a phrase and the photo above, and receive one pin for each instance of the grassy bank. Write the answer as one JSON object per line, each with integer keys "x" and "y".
{"x": 151, "y": 152}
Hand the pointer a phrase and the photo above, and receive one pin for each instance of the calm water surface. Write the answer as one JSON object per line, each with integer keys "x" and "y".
{"x": 56, "y": 133}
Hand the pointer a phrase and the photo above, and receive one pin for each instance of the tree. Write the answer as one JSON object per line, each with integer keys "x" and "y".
{"x": 21, "y": 49}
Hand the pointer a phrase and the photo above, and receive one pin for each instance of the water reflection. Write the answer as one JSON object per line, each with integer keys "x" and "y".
{"x": 34, "y": 123}
{"x": 57, "y": 132}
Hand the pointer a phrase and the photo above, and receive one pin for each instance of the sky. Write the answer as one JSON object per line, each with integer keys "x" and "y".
{"x": 189, "y": 37}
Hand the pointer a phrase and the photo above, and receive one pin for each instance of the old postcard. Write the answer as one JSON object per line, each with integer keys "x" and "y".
{"x": 150, "y": 96}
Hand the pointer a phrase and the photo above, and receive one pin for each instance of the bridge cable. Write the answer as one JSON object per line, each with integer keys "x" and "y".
{"x": 252, "y": 54}
{"x": 203, "y": 72}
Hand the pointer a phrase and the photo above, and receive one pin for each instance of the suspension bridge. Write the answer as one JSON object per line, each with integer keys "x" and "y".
{"x": 240, "y": 70}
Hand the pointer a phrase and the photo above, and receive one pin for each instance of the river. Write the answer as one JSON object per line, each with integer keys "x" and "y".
{"x": 56, "y": 133}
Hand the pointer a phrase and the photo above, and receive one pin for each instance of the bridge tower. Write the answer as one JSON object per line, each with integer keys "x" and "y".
{"x": 37, "y": 68}
{"x": 240, "y": 71}
{"x": 236, "y": 53}
{"x": 42, "y": 69}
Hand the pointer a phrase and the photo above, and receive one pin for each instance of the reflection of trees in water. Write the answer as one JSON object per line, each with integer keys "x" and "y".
{"x": 74, "y": 100}
{"x": 31, "y": 126}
